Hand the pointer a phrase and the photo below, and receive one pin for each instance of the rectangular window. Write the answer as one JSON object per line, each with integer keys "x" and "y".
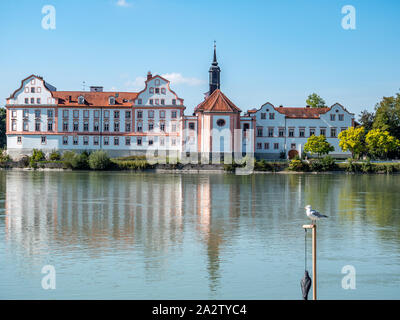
{"x": 49, "y": 125}
{"x": 263, "y": 116}
{"x": 32, "y": 100}
{"x": 116, "y": 126}
{"x": 65, "y": 140}
{"x": 272, "y": 116}
{"x": 32, "y": 89}
{"x": 106, "y": 126}
{"x": 157, "y": 101}
{"x": 191, "y": 125}
{"x": 106, "y": 141}
{"x": 127, "y": 127}
{"x": 302, "y": 132}
{"x": 75, "y": 140}
{"x": 291, "y": 132}
{"x": 259, "y": 132}
{"x": 76, "y": 114}
{"x": 19, "y": 139}
{"x": 43, "y": 139}
{"x": 150, "y": 142}
{"x": 26, "y": 113}
{"x": 37, "y": 126}
{"x": 341, "y": 117}
{"x": 86, "y": 126}
{"x": 106, "y": 114}
{"x": 127, "y": 141}
{"x": 65, "y": 113}
{"x": 116, "y": 114}
{"x": 162, "y": 113}
{"x": 259, "y": 145}
{"x": 150, "y": 114}
{"x": 14, "y": 125}
{"x": 139, "y": 101}
{"x": 50, "y": 113}
{"x": 26, "y": 126}
{"x": 38, "y": 100}
{"x": 151, "y": 101}
{"x": 76, "y": 125}
{"x": 140, "y": 114}
{"x": 293, "y": 146}
{"x": 127, "y": 114}
{"x": 151, "y": 126}
{"x": 86, "y": 113}
{"x": 26, "y": 100}
{"x": 322, "y": 132}
{"x": 37, "y": 113}
{"x": 162, "y": 141}
{"x": 96, "y": 126}
{"x": 333, "y": 132}
{"x": 65, "y": 126}
{"x": 39, "y": 89}
{"x": 14, "y": 114}
{"x": 173, "y": 114}
{"x": 96, "y": 113}
{"x": 157, "y": 90}
{"x": 174, "y": 128}
{"x": 173, "y": 102}
{"x": 96, "y": 140}
{"x": 173, "y": 142}
{"x": 85, "y": 140}
{"x": 139, "y": 127}
{"x": 333, "y": 116}
{"x": 270, "y": 132}
{"x": 266, "y": 145}
{"x": 162, "y": 126}
{"x": 162, "y": 102}
{"x": 276, "y": 146}
{"x": 312, "y": 132}
{"x": 139, "y": 141}
{"x": 281, "y": 132}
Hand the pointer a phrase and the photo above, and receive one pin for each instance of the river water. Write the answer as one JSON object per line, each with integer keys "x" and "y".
{"x": 120, "y": 235}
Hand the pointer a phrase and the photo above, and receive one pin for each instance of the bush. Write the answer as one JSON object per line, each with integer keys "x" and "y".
{"x": 99, "y": 160}
{"x": 298, "y": 165}
{"x": 37, "y": 155}
{"x": 325, "y": 164}
{"x": 81, "y": 161}
{"x": 367, "y": 167}
{"x": 132, "y": 164}
{"x": 54, "y": 156}
{"x": 68, "y": 158}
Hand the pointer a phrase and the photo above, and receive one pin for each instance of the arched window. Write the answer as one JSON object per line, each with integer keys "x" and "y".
{"x": 220, "y": 122}
{"x": 81, "y": 100}
{"x": 111, "y": 100}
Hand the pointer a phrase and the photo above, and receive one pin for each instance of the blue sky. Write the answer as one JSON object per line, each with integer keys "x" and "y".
{"x": 278, "y": 51}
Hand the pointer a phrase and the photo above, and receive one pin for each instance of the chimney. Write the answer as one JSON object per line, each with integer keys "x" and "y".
{"x": 149, "y": 75}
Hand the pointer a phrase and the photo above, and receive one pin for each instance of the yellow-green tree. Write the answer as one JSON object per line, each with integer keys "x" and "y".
{"x": 352, "y": 140}
{"x": 380, "y": 143}
{"x": 318, "y": 145}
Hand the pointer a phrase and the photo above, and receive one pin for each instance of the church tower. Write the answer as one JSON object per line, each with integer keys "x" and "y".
{"x": 214, "y": 73}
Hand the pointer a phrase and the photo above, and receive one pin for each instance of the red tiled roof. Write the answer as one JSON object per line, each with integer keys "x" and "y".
{"x": 94, "y": 98}
{"x": 302, "y": 113}
{"x": 217, "y": 102}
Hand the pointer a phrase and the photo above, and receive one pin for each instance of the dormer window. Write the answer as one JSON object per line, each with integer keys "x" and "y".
{"x": 81, "y": 100}
{"x": 111, "y": 100}
{"x": 151, "y": 90}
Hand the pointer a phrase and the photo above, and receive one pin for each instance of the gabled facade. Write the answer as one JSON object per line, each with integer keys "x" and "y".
{"x": 132, "y": 123}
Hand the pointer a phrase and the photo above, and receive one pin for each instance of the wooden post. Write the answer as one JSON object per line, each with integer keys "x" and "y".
{"x": 314, "y": 256}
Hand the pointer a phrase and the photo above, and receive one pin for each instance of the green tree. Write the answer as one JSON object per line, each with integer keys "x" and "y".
{"x": 387, "y": 115}
{"x": 380, "y": 143}
{"x": 318, "y": 145}
{"x": 315, "y": 101}
{"x": 366, "y": 119}
{"x": 99, "y": 160}
{"x": 352, "y": 140}
{"x": 3, "y": 139}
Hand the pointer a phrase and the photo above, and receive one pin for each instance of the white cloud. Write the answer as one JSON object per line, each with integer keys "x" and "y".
{"x": 178, "y": 78}
{"x": 174, "y": 77}
{"x": 123, "y": 3}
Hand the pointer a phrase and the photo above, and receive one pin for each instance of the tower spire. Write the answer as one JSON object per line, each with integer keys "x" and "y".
{"x": 214, "y": 73}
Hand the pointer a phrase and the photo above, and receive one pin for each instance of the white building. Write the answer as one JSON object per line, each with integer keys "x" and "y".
{"x": 131, "y": 123}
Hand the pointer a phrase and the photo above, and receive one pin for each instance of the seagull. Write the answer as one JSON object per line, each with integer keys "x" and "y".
{"x": 313, "y": 214}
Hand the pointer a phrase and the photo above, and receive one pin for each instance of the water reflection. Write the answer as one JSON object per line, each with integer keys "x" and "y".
{"x": 224, "y": 224}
